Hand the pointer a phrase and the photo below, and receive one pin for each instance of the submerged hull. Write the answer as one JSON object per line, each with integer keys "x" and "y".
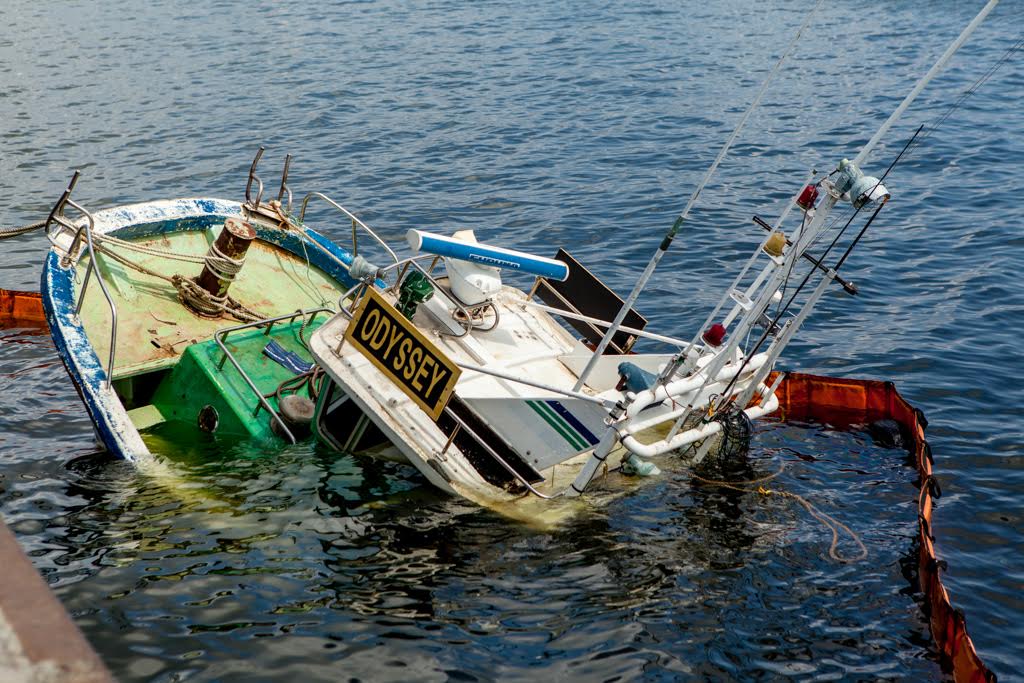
{"x": 513, "y": 436}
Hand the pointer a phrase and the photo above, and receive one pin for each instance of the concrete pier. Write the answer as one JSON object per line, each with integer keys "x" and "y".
{"x": 38, "y": 641}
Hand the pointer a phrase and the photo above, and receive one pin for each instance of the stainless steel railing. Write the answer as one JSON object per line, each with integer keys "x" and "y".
{"x": 57, "y": 216}
{"x": 262, "y": 403}
{"x": 356, "y": 223}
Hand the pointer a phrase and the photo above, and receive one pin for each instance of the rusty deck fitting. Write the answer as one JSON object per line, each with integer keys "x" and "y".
{"x": 233, "y": 242}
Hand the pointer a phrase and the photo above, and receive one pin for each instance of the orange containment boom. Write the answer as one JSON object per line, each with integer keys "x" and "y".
{"x": 21, "y": 309}
{"x": 849, "y": 401}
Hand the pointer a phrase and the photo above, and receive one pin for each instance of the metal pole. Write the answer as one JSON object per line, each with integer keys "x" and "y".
{"x": 936, "y": 68}
{"x": 667, "y": 241}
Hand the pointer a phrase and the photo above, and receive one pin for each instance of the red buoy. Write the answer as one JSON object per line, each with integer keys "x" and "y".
{"x": 714, "y": 335}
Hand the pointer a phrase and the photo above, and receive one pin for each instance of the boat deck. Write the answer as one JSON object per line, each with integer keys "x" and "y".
{"x": 154, "y": 327}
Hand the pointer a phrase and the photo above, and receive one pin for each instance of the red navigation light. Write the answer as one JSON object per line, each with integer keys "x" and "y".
{"x": 714, "y": 335}
{"x": 808, "y": 197}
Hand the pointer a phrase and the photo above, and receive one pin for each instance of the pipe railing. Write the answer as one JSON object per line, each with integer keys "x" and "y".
{"x": 355, "y": 222}
{"x": 221, "y": 335}
{"x": 57, "y": 216}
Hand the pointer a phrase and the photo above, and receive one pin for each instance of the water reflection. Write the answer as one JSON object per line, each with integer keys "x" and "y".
{"x": 249, "y": 550}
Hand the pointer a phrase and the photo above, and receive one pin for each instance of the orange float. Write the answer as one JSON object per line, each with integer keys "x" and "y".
{"x": 848, "y": 401}
{"x": 21, "y": 309}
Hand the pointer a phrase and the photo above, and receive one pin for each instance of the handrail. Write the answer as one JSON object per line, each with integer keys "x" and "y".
{"x": 603, "y": 402}
{"x": 501, "y": 461}
{"x": 57, "y": 215}
{"x": 285, "y": 190}
{"x": 597, "y": 321}
{"x": 252, "y": 177}
{"x": 221, "y": 335}
{"x": 405, "y": 263}
{"x": 352, "y": 216}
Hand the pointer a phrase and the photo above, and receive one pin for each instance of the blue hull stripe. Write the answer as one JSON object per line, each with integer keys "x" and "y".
{"x": 564, "y": 413}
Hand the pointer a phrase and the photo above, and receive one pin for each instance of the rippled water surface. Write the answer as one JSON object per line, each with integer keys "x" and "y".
{"x": 571, "y": 124}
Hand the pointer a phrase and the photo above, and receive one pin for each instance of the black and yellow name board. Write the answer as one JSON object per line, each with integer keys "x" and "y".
{"x": 402, "y": 353}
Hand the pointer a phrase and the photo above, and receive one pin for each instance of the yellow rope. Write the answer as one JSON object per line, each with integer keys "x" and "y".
{"x": 833, "y": 524}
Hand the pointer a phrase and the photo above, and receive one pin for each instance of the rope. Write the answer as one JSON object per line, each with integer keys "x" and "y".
{"x": 311, "y": 380}
{"x": 7, "y": 233}
{"x": 221, "y": 265}
{"x": 201, "y": 300}
{"x": 830, "y": 522}
{"x": 189, "y": 292}
{"x": 220, "y": 260}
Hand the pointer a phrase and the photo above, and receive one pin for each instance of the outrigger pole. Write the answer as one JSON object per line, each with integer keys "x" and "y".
{"x": 936, "y": 68}
{"x": 674, "y": 230}
{"x": 794, "y": 325}
{"x": 611, "y": 435}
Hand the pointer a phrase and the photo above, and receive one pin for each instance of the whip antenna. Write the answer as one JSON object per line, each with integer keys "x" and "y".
{"x": 936, "y": 68}
{"x": 667, "y": 241}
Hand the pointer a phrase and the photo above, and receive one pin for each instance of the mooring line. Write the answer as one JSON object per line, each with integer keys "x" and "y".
{"x": 830, "y": 522}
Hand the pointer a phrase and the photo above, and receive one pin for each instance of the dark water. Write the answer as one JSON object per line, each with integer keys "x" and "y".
{"x": 568, "y": 123}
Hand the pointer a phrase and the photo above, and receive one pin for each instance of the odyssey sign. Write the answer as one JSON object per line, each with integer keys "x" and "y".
{"x": 401, "y": 352}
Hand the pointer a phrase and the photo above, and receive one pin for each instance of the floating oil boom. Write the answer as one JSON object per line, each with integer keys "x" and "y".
{"x": 477, "y": 384}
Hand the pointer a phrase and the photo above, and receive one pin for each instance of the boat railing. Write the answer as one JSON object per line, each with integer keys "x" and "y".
{"x": 768, "y": 403}
{"x": 461, "y": 424}
{"x": 79, "y": 231}
{"x": 356, "y": 224}
{"x": 283, "y": 192}
{"x": 595, "y": 322}
{"x": 220, "y": 336}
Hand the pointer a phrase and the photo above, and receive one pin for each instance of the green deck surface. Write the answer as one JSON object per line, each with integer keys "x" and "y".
{"x": 198, "y": 380}
{"x": 162, "y": 344}
{"x": 154, "y": 328}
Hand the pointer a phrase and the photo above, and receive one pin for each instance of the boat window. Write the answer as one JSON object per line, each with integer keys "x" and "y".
{"x": 343, "y": 425}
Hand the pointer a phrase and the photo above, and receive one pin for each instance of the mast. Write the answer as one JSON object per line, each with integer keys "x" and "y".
{"x": 674, "y": 230}
{"x": 611, "y": 436}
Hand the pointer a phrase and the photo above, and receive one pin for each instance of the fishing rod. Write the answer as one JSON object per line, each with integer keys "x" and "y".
{"x": 677, "y": 226}
{"x": 611, "y": 436}
{"x": 936, "y": 68}
{"x": 830, "y": 275}
{"x": 783, "y": 339}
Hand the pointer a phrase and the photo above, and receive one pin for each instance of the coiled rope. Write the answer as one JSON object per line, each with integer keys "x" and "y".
{"x": 189, "y": 293}
{"x": 830, "y": 522}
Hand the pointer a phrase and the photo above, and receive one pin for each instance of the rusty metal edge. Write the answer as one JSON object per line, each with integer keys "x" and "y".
{"x": 48, "y": 638}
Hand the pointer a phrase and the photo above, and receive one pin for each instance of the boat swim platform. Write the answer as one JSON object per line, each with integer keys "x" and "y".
{"x": 39, "y": 643}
